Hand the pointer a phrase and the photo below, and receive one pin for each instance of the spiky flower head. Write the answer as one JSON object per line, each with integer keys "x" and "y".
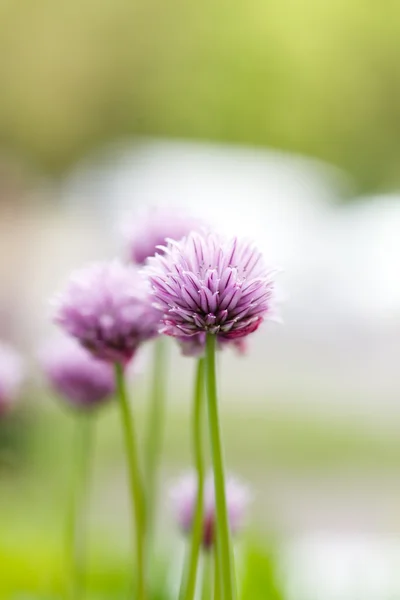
{"x": 184, "y": 495}
{"x": 11, "y": 376}
{"x": 207, "y": 284}
{"x": 106, "y": 307}
{"x": 76, "y": 375}
{"x": 154, "y": 228}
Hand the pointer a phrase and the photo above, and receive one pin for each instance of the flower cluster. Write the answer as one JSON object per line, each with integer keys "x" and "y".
{"x": 75, "y": 374}
{"x": 184, "y": 495}
{"x": 155, "y": 228}
{"x": 193, "y": 284}
{"x": 106, "y": 307}
{"x": 207, "y": 284}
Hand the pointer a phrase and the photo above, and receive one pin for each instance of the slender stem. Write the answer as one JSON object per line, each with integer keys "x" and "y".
{"x": 135, "y": 481}
{"x": 75, "y": 533}
{"x": 155, "y": 431}
{"x": 217, "y": 574}
{"x": 188, "y": 591}
{"x": 223, "y": 534}
{"x": 206, "y": 588}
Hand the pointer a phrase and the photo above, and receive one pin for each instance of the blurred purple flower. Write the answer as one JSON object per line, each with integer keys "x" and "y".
{"x": 184, "y": 494}
{"x": 11, "y": 376}
{"x": 107, "y": 307}
{"x": 155, "y": 228}
{"x": 75, "y": 374}
{"x": 205, "y": 283}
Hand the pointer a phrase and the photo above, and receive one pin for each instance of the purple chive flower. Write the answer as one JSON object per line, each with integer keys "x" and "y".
{"x": 106, "y": 306}
{"x": 205, "y": 283}
{"x": 11, "y": 376}
{"x": 153, "y": 230}
{"x": 184, "y": 495}
{"x": 75, "y": 374}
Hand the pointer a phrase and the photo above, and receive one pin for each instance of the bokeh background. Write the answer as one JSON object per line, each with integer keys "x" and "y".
{"x": 276, "y": 120}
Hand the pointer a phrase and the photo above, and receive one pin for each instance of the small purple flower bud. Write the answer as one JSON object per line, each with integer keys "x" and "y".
{"x": 207, "y": 284}
{"x": 184, "y": 495}
{"x": 75, "y": 374}
{"x": 107, "y": 308}
{"x": 155, "y": 228}
{"x": 11, "y": 376}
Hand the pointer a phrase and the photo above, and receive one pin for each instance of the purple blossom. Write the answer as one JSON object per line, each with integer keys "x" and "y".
{"x": 184, "y": 495}
{"x": 107, "y": 307}
{"x": 11, "y": 376}
{"x": 155, "y": 228}
{"x": 75, "y": 374}
{"x": 205, "y": 283}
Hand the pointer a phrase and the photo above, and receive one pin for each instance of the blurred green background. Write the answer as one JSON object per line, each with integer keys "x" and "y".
{"x": 286, "y": 457}
{"x": 321, "y": 78}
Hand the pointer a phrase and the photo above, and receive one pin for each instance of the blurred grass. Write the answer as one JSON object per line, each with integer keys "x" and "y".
{"x": 320, "y": 79}
{"x": 38, "y": 437}
{"x": 35, "y": 463}
{"x": 261, "y": 575}
{"x": 31, "y": 571}
{"x": 35, "y": 470}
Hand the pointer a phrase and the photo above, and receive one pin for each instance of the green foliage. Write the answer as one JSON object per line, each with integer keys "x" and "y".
{"x": 32, "y": 567}
{"x": 260, "y": 577}
{"x": 295, "y": 440}
{"x": 33, "y": 571}
{"x": 316, "y": 78}
{"x": 34, "y": 481}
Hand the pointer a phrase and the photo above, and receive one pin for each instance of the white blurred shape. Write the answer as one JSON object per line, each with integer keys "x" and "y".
{"x": 342, "y": 567}
{"x": 273, "y": 197}
{"x": 365, "y": 254}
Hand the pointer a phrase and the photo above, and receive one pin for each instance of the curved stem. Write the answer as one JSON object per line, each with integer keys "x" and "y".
{"x": 223, "y": 534}
{"x": 188, "y": 591}
{"x": 155, "y": 431}
{"x": 75, "y": 534}
{"x": 135, "y": 481}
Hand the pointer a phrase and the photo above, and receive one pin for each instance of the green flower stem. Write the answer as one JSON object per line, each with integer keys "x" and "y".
{"x": 223, "y": 534}
{"x": 207, "y": 572}
{"x": 188, "y": 590}
{"x": 135, "y": 482}
{"x": 75, "y": 534}
{"x": 155, "y": 431}
{"x": 217, "y": 574}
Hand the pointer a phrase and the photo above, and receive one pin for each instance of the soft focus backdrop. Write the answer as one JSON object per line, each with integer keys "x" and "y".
{"x": 280, "y": 121}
